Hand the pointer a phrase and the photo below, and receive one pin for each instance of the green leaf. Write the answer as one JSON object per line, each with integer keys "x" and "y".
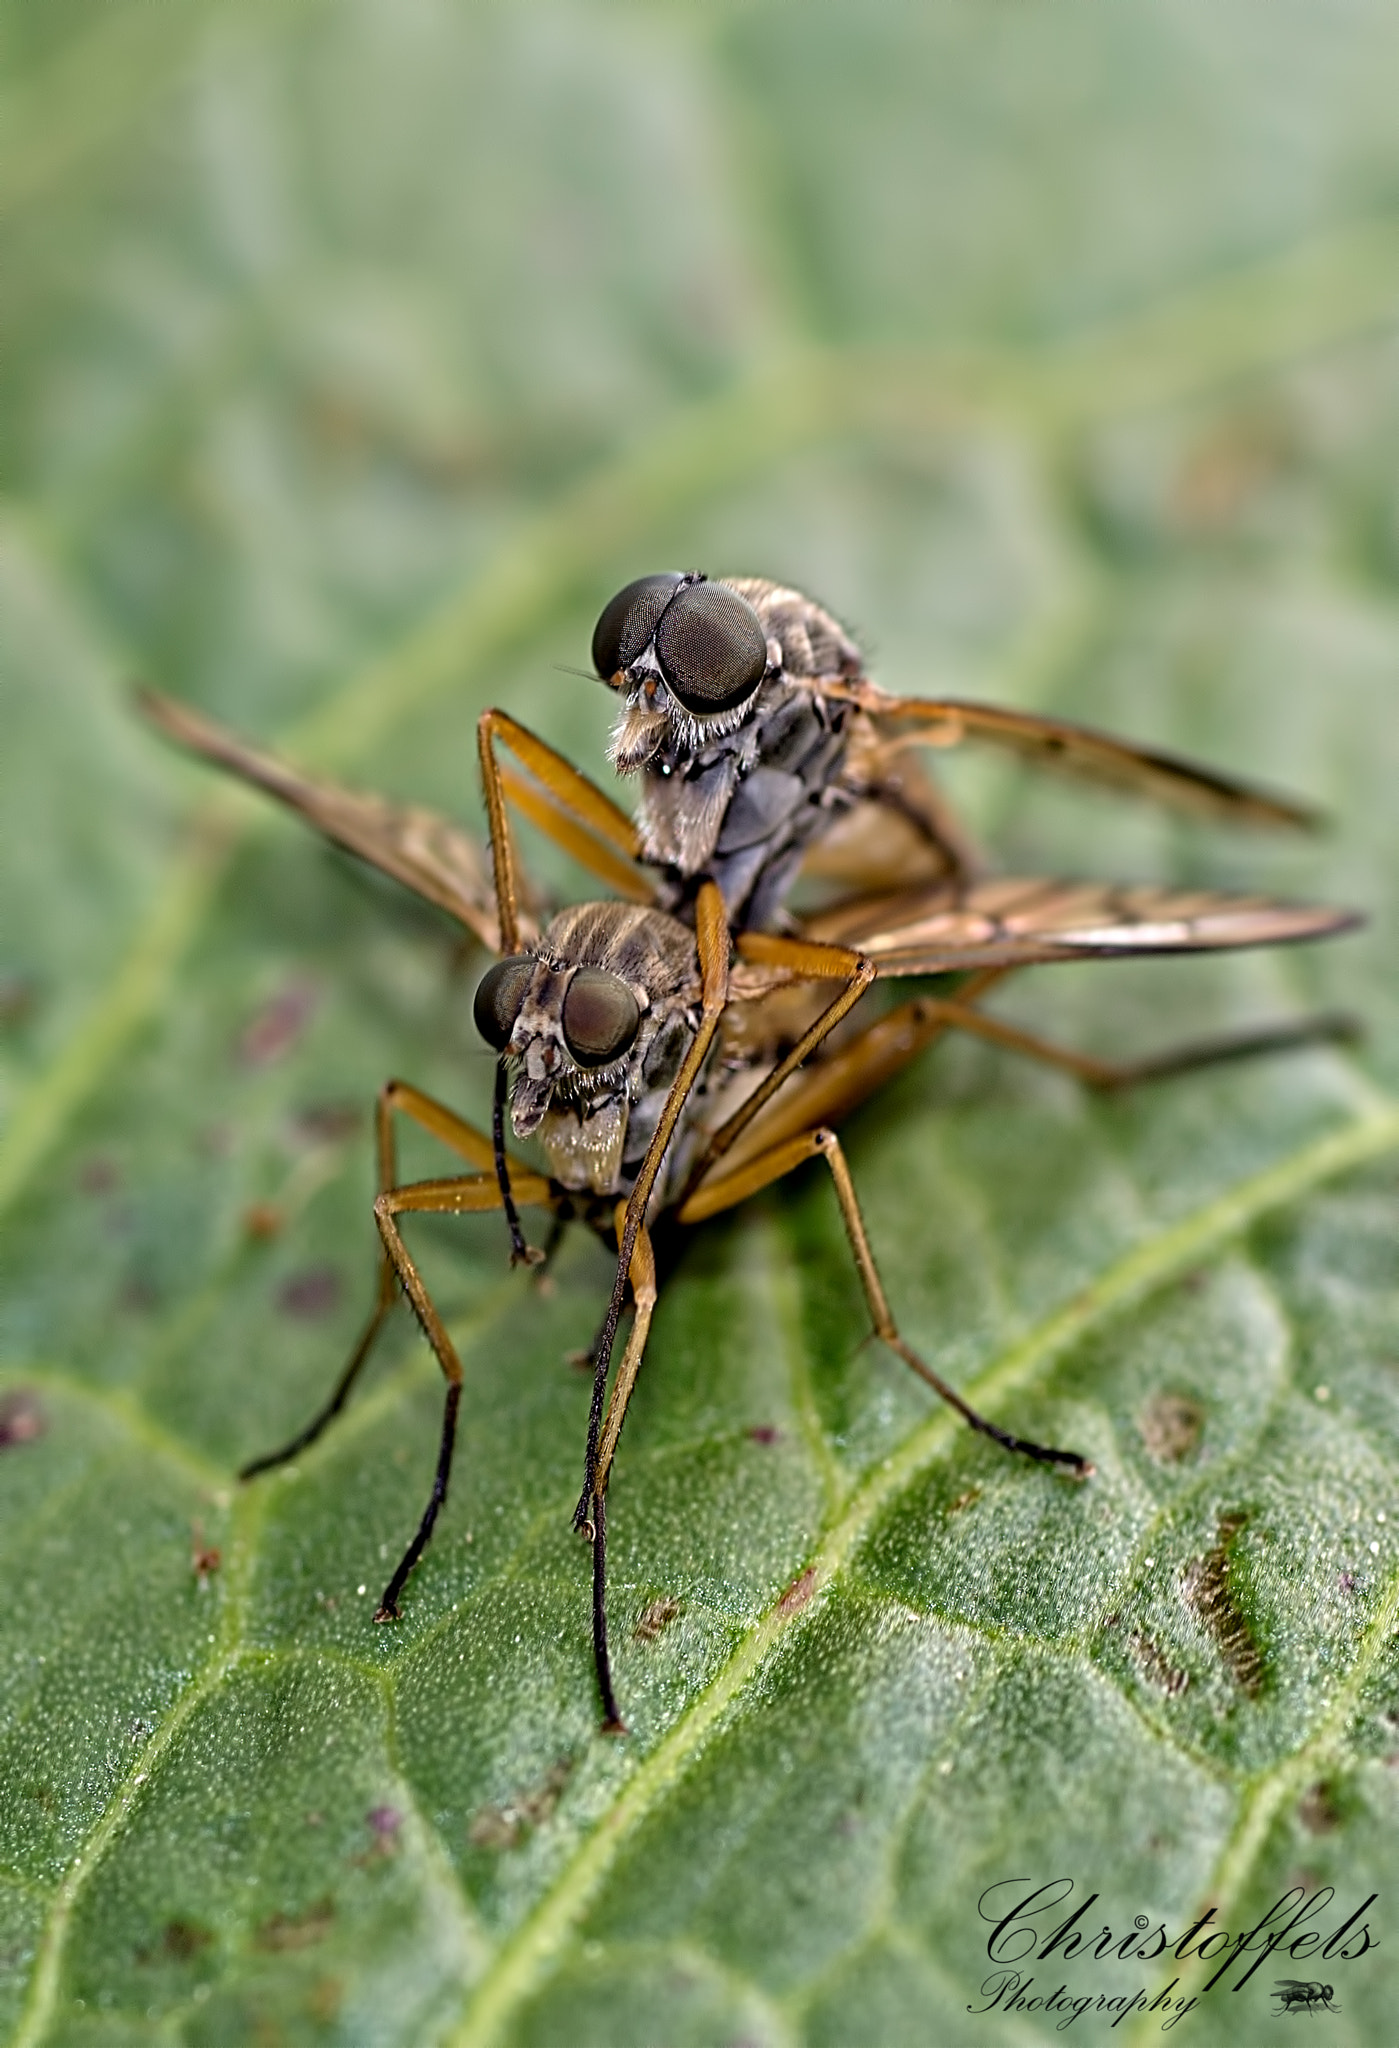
{"x": 350, "y": 357}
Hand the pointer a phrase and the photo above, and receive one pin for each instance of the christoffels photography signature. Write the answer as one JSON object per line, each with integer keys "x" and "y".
{"x": 1031, "y": 1938}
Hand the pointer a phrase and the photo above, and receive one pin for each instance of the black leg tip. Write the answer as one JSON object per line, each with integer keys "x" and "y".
{"x": 388, "y": 1611}
{"x": 614, "y": 1726}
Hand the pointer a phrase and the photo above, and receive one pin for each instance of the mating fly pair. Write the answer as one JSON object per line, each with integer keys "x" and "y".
{"x": 654, "y": 1056}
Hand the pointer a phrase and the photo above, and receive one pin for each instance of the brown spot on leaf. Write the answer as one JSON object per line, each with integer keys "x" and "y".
{"x": 764, "y": 1433}
{"x": 273, "y": 1030}
{"x": 1226, "y": 469}
{"x": 384, "y": 1823}
{"x": 99, "y": 1175}
{"x": 506, "y": 1826}
{"x": 327, "y": 1997}
{"x": 262, "y": 1220}
{"x": 16, "y": 998}
{"x": 1208, "y": 1590}
{"x": 203, "y": 1559}
{"x": 326, "y": 1123}
{"x": 22, "y": 1420}
{"x": 1156, "y": 1667}
{"x": 181, "y": 1939}
{"x": 1317, "y": 1810}
{"x": 297, "y": 1930}
{"x": 798, "y": 1593}
{"x": 964, "y": 1500}
{"x": 310, "y": 1294}
{"x": 655, "y": 1619}
{"x": 1170, "y": 1426}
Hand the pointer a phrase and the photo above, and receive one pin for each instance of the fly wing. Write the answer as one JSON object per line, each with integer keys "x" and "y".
{"x": 427, "y": 853}
{"x": 1014, "y": 922}
{"x": 1149, "y": 771}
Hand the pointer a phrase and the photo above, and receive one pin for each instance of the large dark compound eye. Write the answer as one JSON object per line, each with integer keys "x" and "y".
{"x": 712, "y": 648}
{"x": 629, "y": 621}
{"x": 600, "y": 1017}
{"x": 499, "y": 996}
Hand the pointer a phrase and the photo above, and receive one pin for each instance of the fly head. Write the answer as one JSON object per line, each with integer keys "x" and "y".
{"x": 724, "y": 718}
{"x": 689, "y": 656}
{"x": 592, "y": 1022}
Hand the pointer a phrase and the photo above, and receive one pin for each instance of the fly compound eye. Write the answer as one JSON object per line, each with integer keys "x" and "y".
{"x": 600, "y": 1016}
{"x": 712, "y": 648}
{"x": 499, "y": 995}
{"x": 626, "y": 625}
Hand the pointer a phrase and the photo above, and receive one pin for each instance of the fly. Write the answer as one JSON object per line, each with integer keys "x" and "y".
{"x": 747, "y": 715}
{"x": 1293, "y": 1995}
{"x": 655, "y": 1062}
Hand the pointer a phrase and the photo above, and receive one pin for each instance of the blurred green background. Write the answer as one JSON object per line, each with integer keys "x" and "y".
{"x": 351, "y": 355}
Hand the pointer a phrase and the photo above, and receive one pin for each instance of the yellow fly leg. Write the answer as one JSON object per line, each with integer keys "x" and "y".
{"x": 787, "y": 960}
{"x": 568, "y": 807}
{"x": 643, "y": 1284}
{"x": 396, "y": 1098}
{"x": 712, "y": 940}
{"x": 889, "y": 1045}
{"x": 463, "y": 1195}
{"x": 426, "y": 853}
{"x": 1054, "y": 742}
{"x": 832, "y": 1088}
{"x": 643, "y": 1287}
{"x": 1116, "y": 1076}
{"x": 991, "y": 927}
{"x": 724, "y": 1191}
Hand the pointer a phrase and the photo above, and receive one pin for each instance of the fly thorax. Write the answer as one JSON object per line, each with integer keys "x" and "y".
{"x": 809, "y": 641}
